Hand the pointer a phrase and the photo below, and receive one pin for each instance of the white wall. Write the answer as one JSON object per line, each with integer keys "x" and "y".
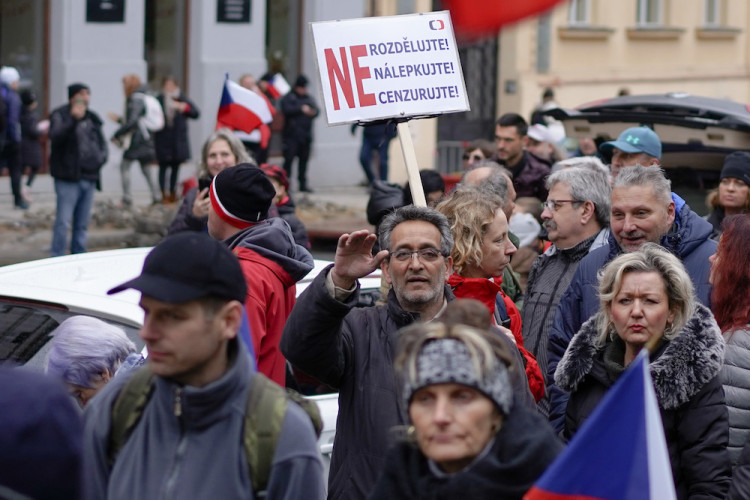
{"x": 97, "y": 54}
{"x": 335, "y": 155}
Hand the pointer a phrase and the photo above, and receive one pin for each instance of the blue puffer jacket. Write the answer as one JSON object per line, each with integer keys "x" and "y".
{"x": 689, "y": 241}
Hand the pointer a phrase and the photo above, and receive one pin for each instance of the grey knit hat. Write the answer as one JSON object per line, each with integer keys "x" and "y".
{"x": 448, "y": 361}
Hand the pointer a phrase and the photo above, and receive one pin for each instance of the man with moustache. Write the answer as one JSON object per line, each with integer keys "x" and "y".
{"x": 576, "y": 217}
{"x": 643, "y": 209}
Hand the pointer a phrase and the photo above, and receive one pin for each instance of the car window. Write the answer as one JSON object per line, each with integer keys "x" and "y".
{"x": 26, "y": 329}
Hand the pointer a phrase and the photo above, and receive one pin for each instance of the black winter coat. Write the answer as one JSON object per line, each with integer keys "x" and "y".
{"x": 297, "y": 125}
{"x": 352, "y": 350}
{"x": 78, "y": 149}
{"x": 740, "y": 489}
{"x": 171, "y": 142}
{"x": 141, "y": 145}
{"x": 31, "y": 148}
{"x": 685, "y": 372}
{"x": 524, "y": 446}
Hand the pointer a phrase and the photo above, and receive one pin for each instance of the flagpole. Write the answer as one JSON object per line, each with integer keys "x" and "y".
{"x": 412, "y": 167}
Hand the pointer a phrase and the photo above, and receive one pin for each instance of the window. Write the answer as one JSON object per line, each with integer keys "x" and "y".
{"x": 650, "y": 13}
{"x": 579, "y": 13}
{"x": 712, "y": 13}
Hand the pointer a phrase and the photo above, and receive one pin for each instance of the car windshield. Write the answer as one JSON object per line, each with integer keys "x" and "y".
{"x": 27, "y": 329}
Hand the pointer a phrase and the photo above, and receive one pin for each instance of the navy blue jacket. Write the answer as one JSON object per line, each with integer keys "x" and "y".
{"x": 690, "y": 241}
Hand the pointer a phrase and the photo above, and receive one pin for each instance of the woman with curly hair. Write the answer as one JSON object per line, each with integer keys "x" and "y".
{"x": 481, "y": 252}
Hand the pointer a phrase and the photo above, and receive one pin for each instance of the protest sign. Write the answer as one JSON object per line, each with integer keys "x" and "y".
{"x": 389, "y": 67}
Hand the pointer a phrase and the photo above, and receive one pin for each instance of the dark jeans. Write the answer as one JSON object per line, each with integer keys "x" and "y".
{"x": 301, "y": 150}
{"x": 74, "y": 200}
{"x": 370, "y": 144}
{"x": 174, "y": 174}
{"x": 11, "y": 158}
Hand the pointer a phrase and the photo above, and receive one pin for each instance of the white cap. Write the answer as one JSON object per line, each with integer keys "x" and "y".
{"x": 540, "y": 133}
{"x": 9, "y": 75}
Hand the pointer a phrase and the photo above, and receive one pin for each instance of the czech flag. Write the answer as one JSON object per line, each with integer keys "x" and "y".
{"x": 278, "y": 86}
{"x": 477, "y": 17}
{"x": 619, "y": 453}
{"x": 241, "y": 109}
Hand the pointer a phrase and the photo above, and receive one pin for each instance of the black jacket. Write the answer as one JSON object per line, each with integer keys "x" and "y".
{"x": 524, "y": 446}
{"x": 740, "y": 489}
{"x": 31, "y": 148}
{"x": 171, "y": 142}
{"x": 141, "y": 147}
{"x": 685, "y": 372}
{"x": 352, "y": 350}
{"x": 78, "y": 149}
{"x": 297, "y": 125}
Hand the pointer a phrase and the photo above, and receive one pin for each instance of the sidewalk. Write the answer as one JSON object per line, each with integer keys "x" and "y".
{"x": 26, "y": 234}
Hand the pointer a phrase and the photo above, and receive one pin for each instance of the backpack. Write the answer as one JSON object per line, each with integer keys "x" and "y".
{"x": 264, "y": 417}
{"x": 153, "y": 117}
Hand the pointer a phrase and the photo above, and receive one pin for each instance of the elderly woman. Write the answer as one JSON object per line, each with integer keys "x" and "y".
{"x": 86, "y": 352}
{"x": 222, "y": 149}
{"x": 647, "y": 302}
{"x": 481, "y": 252}
{"x": 732, "y": 197}
{"x": 467, "y": 439}
{"x": 730, "y": 277}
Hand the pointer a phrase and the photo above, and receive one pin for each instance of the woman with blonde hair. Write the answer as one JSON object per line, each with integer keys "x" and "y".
{"x": 467, "y": 438}
{"x": 647, "y": 302}
{"x": 221, "y": 150}
{"x": 481, "y": 252}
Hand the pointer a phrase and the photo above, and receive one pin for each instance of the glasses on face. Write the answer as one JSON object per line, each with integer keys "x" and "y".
{"x": 424, "y": 255}
{"x": 554, "y": 205}
{"x": 472, "y": 157}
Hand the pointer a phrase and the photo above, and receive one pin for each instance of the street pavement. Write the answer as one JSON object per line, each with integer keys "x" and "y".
{"x": 26, "y": 234}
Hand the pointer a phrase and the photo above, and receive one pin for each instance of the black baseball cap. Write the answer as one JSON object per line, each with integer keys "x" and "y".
{"x": 189, "y": 266}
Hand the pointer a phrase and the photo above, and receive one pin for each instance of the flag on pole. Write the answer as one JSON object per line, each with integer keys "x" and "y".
{"x": 619, "y": 453}
{"x": 241, "y": 109}
{"x": 488, "y": 16}
{"x": 278, "y": 86}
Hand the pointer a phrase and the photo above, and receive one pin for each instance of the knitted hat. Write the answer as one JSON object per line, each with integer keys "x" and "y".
{"x": 74, "y": 88}
{"x": 301, "y": 81}
{"x": 737, "y": 165}
{"x": 242, "y": 195}
{"x": 277, "y": 173}
{"x": 28, "y": 97}
{"x": 9, "y": 75}
{"x": 448, "y": 361}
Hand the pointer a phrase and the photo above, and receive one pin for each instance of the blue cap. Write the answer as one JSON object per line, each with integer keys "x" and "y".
{"x": 635, "y": 140}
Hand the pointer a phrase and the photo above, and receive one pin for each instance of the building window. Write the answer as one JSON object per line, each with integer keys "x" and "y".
{"x": 650, "y": 13}
{"x": 579, "y": 13}
{"x": 712, "y": 13}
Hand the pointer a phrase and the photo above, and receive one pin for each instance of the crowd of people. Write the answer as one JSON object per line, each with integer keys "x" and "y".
{"x": 471, "y": 374}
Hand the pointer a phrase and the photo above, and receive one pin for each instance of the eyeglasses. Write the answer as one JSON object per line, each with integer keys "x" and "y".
{"x": 472, "y": 157}
{"x": 554, "y": 205}
{"x": 424, "y": 255}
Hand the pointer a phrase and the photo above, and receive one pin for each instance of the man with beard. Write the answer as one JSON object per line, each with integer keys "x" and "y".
{"x": 352, "y": 349}
{"x": 576, "y": 217}
{"x": 643, "y": 209}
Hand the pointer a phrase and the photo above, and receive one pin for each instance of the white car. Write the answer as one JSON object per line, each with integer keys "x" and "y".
{"x": 37, "y": 296}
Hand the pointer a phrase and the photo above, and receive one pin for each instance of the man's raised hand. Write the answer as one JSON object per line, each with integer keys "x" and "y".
{"x": 354, "y": 258}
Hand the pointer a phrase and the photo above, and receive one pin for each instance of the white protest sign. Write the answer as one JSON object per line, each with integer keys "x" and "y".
{"x": 386, "y": 67}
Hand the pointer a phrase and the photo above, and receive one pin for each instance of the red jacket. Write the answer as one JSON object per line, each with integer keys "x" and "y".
{"x": 485, "y": 291}
{"x": 270, "y": 298}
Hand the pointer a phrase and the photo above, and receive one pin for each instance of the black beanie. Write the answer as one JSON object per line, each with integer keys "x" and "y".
{"x": 242, "y": 195}
{"x": 74, "y": 88}
{"x": 737, "y": 165}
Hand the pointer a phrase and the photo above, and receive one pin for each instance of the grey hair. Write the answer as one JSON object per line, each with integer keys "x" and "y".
{"x": 641, "y": 176}
{"x": 83, "y": 348}
{"x": 488, "y": 354}
{"x": 496, "y": 183}
{"x": 240, "y": 153}
{"x": 415, "y": 213}
{"x": 589, "y": 162}
{"x": 649, "y": 258}
{"x": 587, "y": 184}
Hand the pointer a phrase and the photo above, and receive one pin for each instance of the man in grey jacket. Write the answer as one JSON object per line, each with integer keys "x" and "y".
{"x": 188, "y": 439}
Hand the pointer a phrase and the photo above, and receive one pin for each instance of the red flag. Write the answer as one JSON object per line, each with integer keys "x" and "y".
{"x": 488, "y": 16}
